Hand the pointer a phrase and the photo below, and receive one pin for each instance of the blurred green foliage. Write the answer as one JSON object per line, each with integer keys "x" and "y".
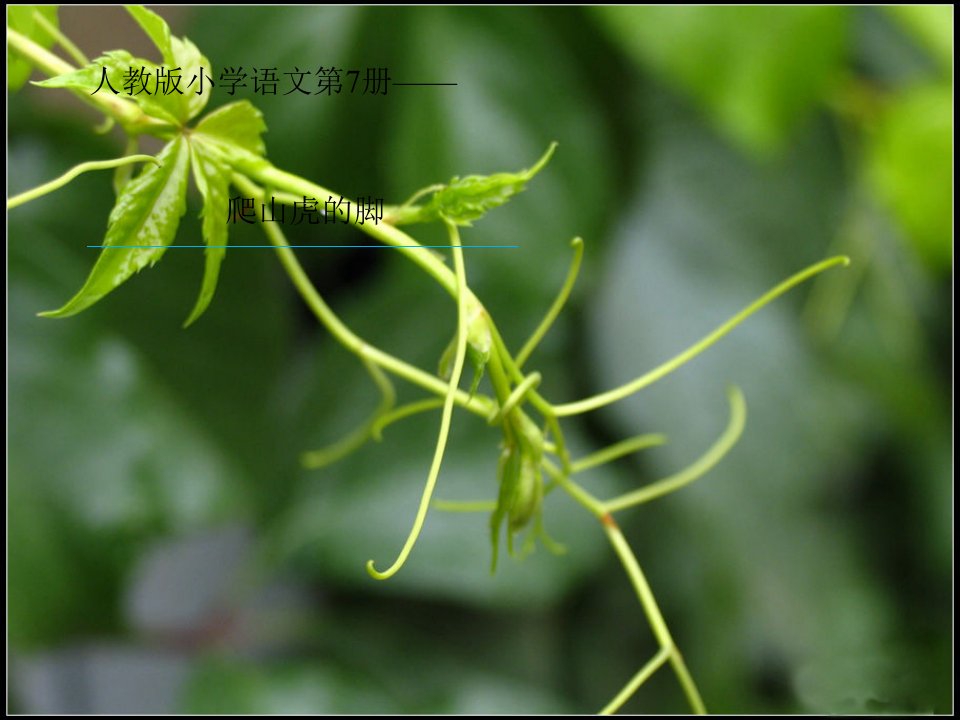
{"x": 755, "y": 70}
{"x": 23, "y": 20}
{"x": 911, "y": 171}
{"x": 704, "y": 154}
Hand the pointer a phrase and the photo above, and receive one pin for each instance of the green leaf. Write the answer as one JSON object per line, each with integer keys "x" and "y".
{"x": 910, "y": 166}
{"x": 50, "y": 595}
{"x": 931, "y": 25}
{"x": 231, "y": 134}
{"x": 194, "y": 69}
{"x": 21, "y": 18}
{"x": 176, "y": 106}
{"x": 80, "y": 515}
{"x": 177, "y": 53}
{"x": 147, "y": 213}
{"x": 212, "y": 180}
{"x": 755, "y": 70}
{"x": 466, "y": 199}
{"x": 117, "y": 64}
{"x": 237, "y": 125}
{"x": 156, "y": 27}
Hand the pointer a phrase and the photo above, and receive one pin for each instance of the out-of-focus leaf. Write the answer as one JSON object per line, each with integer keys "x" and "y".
{"x": 118, "y": 679}
{"x": 848, "y": 685}
{"x": 911, "y": 167}
{"x": 146, "y": 215}
{"x": 212, "y": 179}
{"x": 932, "y": 25}
{"x": 224, "y": 687}
{"x": 52, "y": 592}
{"x": 309, "y": 688}
{"x": 477, "y": 663}
{"x": 101, "y": 458}
{"x": 21, "y": 18}
{"x": 151, "y": 468}
{"x": 756, "y": 71}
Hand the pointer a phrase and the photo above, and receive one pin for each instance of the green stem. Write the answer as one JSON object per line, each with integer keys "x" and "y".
{"x": 384, "y": 232}
{"x": 686, "y": 682}
{"x": 504, "y": 368}
{"x": 477, "y": 404}
{"x": 316, "y": 459}
{"x": 537, "y": 400}
{"x": 343, "y": 447}
{"x": 636, "y": 681}
{"x": 612, "y": 396}
{"x": 498, "y": 377}
{"x": 390, "y": 235}
{"x": 64, "y": 179}
{"x": 408, "y": 212}
{"x": 652, "y": 611}
{"x": 122, "y": 175}
{"x": 583, "y": 497}
{"x": 66, "y": 43}
{"x": 640, "y": 585}
{"x": 738, "y": 418}
{"x": 531, "y": 344}
{"x": 404, "y": 411}
{"x": 515, "y": 397}
{"x": 617, "y": 451}
{"x": 446, "y": 418}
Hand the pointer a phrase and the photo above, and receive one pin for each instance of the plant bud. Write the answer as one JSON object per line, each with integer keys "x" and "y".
{"x": 528, "y": 494}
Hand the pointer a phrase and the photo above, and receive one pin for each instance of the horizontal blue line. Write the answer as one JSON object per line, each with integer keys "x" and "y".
{"x": 235, "y": 247}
